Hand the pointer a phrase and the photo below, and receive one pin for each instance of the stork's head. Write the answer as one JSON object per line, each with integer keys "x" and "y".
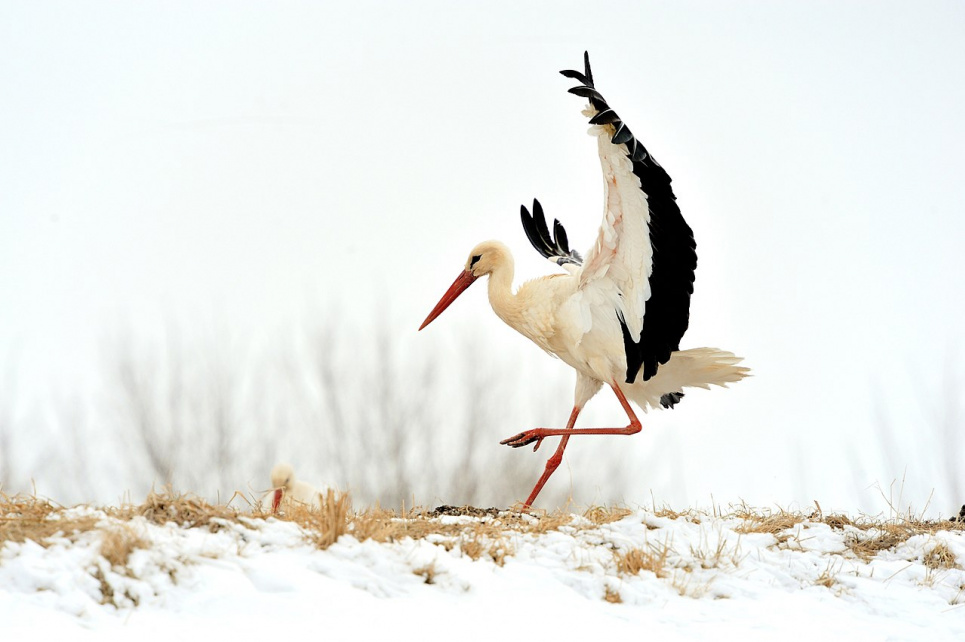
{"x": 483, "y": 259}
{"x": 282, "y": 476}
{"x": 486, "y": 257}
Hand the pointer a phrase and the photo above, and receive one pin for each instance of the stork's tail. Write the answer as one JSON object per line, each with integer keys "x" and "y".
{"x": 694, "y": 368}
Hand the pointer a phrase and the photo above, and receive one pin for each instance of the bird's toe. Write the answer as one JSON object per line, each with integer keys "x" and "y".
{"x": 523, "y": 439}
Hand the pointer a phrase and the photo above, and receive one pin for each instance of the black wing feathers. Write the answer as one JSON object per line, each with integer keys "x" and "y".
{"x": 605, "y": 118}
{"x": 622, "y": 135}
{"x": 672, "y": 241}
{"x": 556, "y": 247}
{"x": 587, "y": 92}
{"x": 560, "y": 234}
{"x": 569, "y": 73}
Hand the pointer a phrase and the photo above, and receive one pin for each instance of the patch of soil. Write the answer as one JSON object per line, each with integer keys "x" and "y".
{"x": 461, "y": 511}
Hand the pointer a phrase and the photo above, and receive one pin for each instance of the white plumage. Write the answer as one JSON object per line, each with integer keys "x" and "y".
{"x": 622, "y": 252}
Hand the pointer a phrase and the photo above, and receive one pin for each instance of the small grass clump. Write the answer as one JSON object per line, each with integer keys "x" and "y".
{"x": 326, "y": 523}
{"x": 940, "y": 557}
{"x": 612, "y": 596}
{"x": 717, "y": 555}
{"x": 829, "y": 576}
{"x": 767, "y": 522}
{"x": 635, "y": 560}
{"x": 117, "y": 544}
{"x": 600, "y": 515}
{"x": 24, "y": 517}
{"x": 690, "y": 515}
{"x": 184, "y": 509}
{"x": 885, "y": 537}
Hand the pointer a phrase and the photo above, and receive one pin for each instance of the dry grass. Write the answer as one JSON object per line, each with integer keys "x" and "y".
{"x": 485, "y": 541}
{"x": 716, "y": 555}
{"x": 634, "y": 560}
{"x": 829, "y": 576}
{"x": 886, "y": 538}
{"x": 611, "y": 596}
{"x": 767, "y": 522}
{"x": 690, "y": 515}
{"x": 483, "y": 531}
{"x": 686, "y": 586}
{"x": 600, "y": 515}
{"x": 427, "y": 573}
{"x": 867, "y": 537}
{"x": 940, "y": 557}
{"x": 476, "y": 533}
{"x": 326, "y": 523}
{"x": 184, "y": 509}
{"x": 119, "y": 542}
{"x": 24, "y": 517}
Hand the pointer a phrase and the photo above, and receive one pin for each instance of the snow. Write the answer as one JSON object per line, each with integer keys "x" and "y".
{"x": 254, "y": 577}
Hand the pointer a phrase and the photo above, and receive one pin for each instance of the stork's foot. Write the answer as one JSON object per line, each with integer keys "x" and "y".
{"x": 526, "y": 437}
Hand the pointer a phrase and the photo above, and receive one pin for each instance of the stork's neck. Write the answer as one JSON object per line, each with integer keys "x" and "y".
{"x": 501, "y": 295}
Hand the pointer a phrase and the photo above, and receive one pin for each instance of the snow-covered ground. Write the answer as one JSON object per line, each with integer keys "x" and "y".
{"x": 253, "y": 577}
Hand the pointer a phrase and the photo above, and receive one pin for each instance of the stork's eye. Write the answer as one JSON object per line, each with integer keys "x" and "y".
{"x": 475, "y": 260}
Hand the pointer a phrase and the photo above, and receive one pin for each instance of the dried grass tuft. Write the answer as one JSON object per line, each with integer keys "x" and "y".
{"x": 184, "y": 509}
{"x": 838, "y": 522}
{"x": 771, "y": 523}
{"x": 600, "y": 515}
{"x": 326, "y": 523}
{"x": 686, "y": 586}
{"x": 24, "y": 517}
{"x": 828, "y": 577}
{"x": 883, "y": 537}
{"x": 940, "y": 557}
{"x": 634, "y": 560}
{"x": 690, "y": 515}
{"x": 427, "y": 573}
{"x": 119, "y": 542}
{"x": 376, "y": 524}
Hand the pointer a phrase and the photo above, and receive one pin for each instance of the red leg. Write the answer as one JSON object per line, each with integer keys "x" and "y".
{"x": 551, "y": 465}
{"x": 553, "y": 462}
{"x": 538, "y": 434}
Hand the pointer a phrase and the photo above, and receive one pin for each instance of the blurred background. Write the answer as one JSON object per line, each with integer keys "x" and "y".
{"x": 221, "y": 224}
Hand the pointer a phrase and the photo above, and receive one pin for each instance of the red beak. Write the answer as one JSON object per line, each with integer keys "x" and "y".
{"x": 458, "y": 286}
{"x": 276, "y": 500}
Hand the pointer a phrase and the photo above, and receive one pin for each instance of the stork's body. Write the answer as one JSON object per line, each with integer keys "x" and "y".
{"x": 550, "y": 312}
{"x": 617, "y": 318}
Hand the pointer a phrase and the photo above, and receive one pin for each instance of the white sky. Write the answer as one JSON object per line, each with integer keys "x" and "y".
{"x": 248, "y": 163}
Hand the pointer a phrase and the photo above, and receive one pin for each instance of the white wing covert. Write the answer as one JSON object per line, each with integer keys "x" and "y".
{"x": 644, "y": 257}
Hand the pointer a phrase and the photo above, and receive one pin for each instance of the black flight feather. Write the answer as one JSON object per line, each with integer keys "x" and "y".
{"x": 556, "y": 247}
{"x": 622, "y": 135}
{"x": 605, "y": 118}
{"x": 575, "y": 75}
{"x": 560, "y": 235}
{"x": 587, "y": 92}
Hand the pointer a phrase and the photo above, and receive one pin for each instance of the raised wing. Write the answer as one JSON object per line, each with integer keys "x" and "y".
{"x": 555, "y": 248}
{"x": 644, "y": 256}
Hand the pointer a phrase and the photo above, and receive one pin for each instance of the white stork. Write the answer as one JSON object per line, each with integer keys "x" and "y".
{"x": 293, "y": 491}
{"x": 616, "y": 317}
